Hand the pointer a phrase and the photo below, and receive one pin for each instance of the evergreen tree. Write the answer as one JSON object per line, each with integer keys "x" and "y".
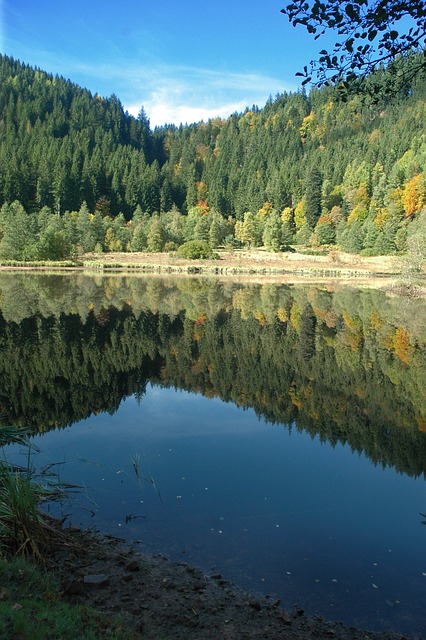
{"x": 313, "y": 195}
{"x": 155, "y": 236}
{"x": 18, "y": 233}
{"x": 249, "y": 230}
{"x": 272, "y": 234}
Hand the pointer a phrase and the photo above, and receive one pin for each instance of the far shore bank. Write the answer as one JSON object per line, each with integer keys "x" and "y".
{"x": 251, "y": 266}
{"x": 234, "y": 262}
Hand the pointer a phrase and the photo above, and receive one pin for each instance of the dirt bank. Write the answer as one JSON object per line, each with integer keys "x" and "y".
{"x": 175, "y": 600}
{"x": 257, "y": 261}
{"x": 236, "y": 262}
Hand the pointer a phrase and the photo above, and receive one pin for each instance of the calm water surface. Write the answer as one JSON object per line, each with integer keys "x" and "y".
{"x": 272, "y": 505}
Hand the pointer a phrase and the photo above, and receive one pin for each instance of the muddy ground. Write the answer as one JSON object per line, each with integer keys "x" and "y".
{"x": 173, "y": 601}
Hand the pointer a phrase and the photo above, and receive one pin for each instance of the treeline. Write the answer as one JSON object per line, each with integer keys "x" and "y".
{"x": 305, "y": 169}
{"x": 347, "y": 366}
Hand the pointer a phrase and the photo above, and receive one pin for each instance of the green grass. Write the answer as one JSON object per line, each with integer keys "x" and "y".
{"x": 22, "y": 530}
{"x": 31, "y": 609}
{"x": 39, "y": 263}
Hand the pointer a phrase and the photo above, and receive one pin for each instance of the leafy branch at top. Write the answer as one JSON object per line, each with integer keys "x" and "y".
{"x": 371, "y": 34}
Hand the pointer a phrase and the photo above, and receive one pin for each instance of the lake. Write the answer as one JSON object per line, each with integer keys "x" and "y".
{"x": 273, "y": 433}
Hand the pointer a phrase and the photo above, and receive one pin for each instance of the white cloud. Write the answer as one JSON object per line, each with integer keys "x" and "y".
{"x": 164, "y": 107}
{"x": 176, "y": 94}
{"x": 185, "y": 95}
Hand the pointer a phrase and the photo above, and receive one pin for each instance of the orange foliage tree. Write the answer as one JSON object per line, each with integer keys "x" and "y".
{"x": 414, "y": 195}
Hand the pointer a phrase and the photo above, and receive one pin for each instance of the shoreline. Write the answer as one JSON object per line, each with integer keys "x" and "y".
{"x": 259, "y": 266}
{"x": 244, "y": 265}
{"x": 235, "y": 262}
{"x": 175, "y": 600}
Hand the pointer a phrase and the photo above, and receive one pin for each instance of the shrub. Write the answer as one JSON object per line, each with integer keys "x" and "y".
{"x": 196, "y": 249}
{"x": 170, "y": 246}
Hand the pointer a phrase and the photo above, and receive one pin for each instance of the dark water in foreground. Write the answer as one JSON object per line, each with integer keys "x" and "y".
{"x": 292, "y": 461}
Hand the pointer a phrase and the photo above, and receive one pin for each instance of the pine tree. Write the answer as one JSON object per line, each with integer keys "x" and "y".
{"x": 313, "y": 194}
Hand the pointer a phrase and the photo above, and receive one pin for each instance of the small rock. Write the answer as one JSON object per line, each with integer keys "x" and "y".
{"x": 223, "y": 583}
{"x": 285, "y": 618}
{"x": 133, "y": 565}
{"x": 126, "y": 598}
{"x": 96, "y": 581}
{"x": 73, "y": 588}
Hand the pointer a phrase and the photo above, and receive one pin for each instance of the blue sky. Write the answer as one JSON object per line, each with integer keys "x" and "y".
{"x": 184, "y": 61}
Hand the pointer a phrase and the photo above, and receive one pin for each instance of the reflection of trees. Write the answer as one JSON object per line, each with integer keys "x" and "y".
{"x": 340, "y": 365}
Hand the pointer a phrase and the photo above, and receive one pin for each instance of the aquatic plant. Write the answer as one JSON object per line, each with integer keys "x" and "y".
{"x": 24, "y": 529}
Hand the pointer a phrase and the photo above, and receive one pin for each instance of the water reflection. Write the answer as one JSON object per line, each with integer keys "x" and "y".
{"x": 347, "y": 365}
{"x": 275, "y": 486}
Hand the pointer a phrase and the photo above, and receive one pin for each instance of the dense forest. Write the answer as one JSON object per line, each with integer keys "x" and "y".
{"x": 345, "y": 365}
{"x": 79, "y": 174}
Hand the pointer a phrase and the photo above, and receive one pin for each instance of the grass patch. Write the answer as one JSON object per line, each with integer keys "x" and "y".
{"x": 313, "y": 252}
{"x": 31, "y": 608}
{"x": 40, "y": 263}
{"x": 22, "y": 530}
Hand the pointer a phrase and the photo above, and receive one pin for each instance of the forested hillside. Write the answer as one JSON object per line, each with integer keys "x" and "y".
{"x": 78, "y": 173}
